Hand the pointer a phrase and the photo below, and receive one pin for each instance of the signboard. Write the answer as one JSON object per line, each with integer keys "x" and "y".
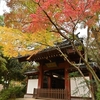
{"x": 51, "y": 64}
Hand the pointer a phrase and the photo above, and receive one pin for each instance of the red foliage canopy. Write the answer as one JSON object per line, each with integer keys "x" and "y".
{"x": 65, "y": 14}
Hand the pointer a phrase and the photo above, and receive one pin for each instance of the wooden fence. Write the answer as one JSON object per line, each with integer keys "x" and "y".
{"x": 50, "y": 93}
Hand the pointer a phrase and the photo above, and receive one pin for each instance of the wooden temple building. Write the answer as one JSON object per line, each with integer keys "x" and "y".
{"x": 54, "y": 78}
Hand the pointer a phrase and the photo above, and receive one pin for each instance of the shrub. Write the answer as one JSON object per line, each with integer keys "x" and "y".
{"x": 12, "y": 92}
{"x": 98, "y": 93}
{"x": 4, "y": 95}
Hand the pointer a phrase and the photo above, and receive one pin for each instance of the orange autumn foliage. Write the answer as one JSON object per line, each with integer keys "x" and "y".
{"x": 15, "y": 43}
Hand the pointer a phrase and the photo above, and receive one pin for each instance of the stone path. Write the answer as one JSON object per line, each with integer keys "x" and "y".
{"x": 25, "y": 99}
{"x": 46, "y": 99}
{"x": 30, "y": 99}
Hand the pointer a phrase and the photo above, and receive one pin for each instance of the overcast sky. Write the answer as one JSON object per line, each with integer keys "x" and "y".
{"x": 3, "y": 7}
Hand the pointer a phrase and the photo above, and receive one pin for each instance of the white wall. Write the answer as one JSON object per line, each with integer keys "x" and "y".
{"x": 79, "y": 88}
{"x": 32, "y": 83}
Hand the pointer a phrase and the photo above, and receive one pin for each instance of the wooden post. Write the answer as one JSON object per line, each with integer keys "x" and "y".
{"x": 40, "y": 77}
{"x": 27, "y": 78}
{"x": 50, "y": 81}
{"x": 67, "y": 85}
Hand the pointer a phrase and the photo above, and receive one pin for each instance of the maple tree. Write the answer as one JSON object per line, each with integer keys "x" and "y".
{"x": 19, "y": 19}
{"x": 19, "y": 14}
{"x": 12, "y": 41}
{"x": 63, "y": 17}
{"x": 15, "y": 43}
{"x": 64, "y": 14}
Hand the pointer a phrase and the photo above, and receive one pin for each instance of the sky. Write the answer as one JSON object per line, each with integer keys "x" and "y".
{"x": 3, "y": 7}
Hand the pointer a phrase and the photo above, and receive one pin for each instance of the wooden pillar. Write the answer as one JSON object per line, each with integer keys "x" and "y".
{"x": 50, "y": 81}
{"x": 40, "y": 77}
{"x": 27, "y": 78}
{"x": 67, "y": 84}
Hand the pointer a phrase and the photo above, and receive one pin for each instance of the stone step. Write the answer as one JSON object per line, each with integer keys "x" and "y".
{"x": 28, "y": 96}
